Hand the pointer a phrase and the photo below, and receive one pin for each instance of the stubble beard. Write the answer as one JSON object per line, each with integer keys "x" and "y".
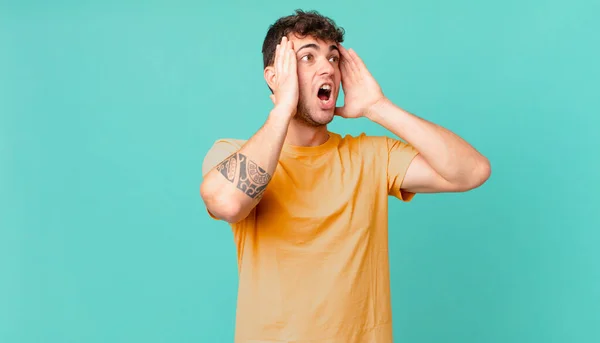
{"x": 303, "y": 115}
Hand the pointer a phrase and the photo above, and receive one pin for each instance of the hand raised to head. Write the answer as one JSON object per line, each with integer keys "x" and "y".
{"x": 285, "y": 82}
{"x": 361, "y": 91}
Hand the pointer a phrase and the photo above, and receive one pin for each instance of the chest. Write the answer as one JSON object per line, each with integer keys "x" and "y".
{"x": 307, "y": 201}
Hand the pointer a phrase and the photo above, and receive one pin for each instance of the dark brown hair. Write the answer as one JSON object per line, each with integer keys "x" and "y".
{"x": 303, "y": 24}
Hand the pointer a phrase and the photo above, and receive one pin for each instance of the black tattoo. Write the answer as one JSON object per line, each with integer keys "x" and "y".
{"x": 228, "y": 167}
{"x": 253, "y": 179}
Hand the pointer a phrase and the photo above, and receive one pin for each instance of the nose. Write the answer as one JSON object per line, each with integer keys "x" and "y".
{"x": 325, "y": 67}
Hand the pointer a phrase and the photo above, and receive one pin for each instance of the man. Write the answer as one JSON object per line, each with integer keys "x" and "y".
{"x": 308, "y": 207}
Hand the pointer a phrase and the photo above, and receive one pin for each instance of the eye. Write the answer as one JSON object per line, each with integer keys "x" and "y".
{"x": 334, "y": 59}
{"x": 306, "y": 57}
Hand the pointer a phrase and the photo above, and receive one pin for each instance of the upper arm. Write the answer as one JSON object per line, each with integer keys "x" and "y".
{"x": 398, "y": 158}
{"x": 422, "y": 178}
{"x": 409, "y": 173}
{"x": 220, "y": 150}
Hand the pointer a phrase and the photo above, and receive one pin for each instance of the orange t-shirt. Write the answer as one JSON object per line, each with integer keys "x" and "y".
{"x": 313, "y": 255}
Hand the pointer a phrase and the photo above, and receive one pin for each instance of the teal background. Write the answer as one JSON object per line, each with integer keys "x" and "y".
{"x": 107, "y": 109}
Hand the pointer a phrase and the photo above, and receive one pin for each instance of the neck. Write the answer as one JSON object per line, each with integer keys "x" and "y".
{"x": 302, "y": 134}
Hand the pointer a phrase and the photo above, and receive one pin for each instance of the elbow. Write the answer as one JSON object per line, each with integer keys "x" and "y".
{"x": 229, "y": 213}
{"x": 468, "y": 180}
{"x": 484, "y": 171}
{"x": 480, "y": 174}
{"x": 220, "y": 204}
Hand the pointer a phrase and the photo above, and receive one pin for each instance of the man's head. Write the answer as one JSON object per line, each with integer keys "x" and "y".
{"x": 315, "y": 39}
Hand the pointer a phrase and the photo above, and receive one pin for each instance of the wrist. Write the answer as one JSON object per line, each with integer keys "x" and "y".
{"x": 283, "y": 111}
{"x": 376, "y": 112}
{"x": 280, "y": 116}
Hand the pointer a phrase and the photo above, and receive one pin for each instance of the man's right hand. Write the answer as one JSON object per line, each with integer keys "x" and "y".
{"x": 286, "y": 91}
{"x": 234, "y": 184}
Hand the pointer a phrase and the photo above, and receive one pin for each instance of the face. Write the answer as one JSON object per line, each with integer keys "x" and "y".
{"x": 318, "y": 79}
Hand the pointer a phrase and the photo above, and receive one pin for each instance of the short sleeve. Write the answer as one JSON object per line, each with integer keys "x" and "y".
{"x": 399, "y": 157}
{"x": 219, "y": 151}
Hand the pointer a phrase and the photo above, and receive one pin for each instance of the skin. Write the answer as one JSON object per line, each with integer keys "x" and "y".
{"x": 315, "y": 62}
{"x": 445, "y": 163}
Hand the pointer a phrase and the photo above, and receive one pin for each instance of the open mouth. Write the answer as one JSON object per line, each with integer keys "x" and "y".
{"x": 324, "y": 92}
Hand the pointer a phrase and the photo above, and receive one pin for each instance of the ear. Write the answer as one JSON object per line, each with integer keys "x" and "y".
{"x": 270, "y": 76}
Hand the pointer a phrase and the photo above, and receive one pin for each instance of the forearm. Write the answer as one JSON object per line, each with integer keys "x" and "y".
{"x": 236, "y": 185}
{"x": 448, "y": 154}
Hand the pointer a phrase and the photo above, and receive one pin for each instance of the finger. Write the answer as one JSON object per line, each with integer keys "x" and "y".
{"x": 344, "y": 65}
{"x": 348, "y": 63}
{"x": 343, "y": 71}
{"x": 345, "y": 54}
{"x": 357, "y": 60}
{"x": 284, "y": 54}
{"x": 352, "y": 62}
{"x": 289, "y": 61}
{"x": 276, "y": 62}
{"x": 279, "y": 61}
{"x": 286, "y": 64}
{"x": 348, "y": 74}
{"x": 343, "y": 51}
{"x": 293, "y": 63}
{"x": 292, "y": 58}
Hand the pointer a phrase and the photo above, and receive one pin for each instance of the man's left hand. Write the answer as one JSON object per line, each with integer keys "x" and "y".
{"x": 361, "y": 91}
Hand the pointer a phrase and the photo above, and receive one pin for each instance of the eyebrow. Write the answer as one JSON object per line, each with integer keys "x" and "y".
{"x": 316, "y": 47}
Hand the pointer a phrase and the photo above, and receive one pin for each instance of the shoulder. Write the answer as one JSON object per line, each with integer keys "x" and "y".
{"x": 365, "y": 143}
{"x": 373, "y": 146}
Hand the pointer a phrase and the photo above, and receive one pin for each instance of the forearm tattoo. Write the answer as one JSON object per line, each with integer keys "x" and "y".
{"x": 253, "y": 180}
